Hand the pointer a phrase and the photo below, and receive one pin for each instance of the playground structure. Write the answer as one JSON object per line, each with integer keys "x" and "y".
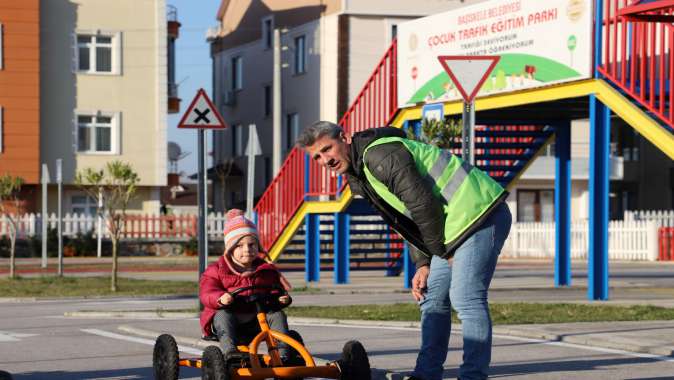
{"x": 633, "y": 78}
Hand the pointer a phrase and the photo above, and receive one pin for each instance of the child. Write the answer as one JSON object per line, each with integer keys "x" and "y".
{"x": 239, "y": 266}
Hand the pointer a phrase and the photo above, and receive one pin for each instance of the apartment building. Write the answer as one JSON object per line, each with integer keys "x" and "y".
{"x": 329, "y": 49}
{"x": 20, "y": 93}
{"x": 87, "y": 82}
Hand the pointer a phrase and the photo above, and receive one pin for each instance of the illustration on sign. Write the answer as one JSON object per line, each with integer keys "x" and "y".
{"x": 539, "y": 43}
{"x": 202, "y": 114}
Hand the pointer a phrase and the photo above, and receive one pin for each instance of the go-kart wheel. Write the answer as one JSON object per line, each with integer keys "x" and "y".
{"x": 5, "y": 375}
{"x": 354, "y": 364}
{"x": 213, "y": 365}
{"x": 165, "y": 358}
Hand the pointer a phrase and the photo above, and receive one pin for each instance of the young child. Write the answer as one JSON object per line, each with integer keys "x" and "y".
{"x": 239, "y": 266}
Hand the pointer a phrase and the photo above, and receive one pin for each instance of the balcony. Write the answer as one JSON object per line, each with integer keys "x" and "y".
{"x": 173, "y": 99}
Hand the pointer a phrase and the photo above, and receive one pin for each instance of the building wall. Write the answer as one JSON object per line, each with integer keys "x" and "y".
{"x": 136, "y": 94}
{"x": 20, "y": 89}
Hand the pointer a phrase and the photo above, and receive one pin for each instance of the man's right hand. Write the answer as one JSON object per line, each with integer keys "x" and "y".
{"x": 419, "y": 283}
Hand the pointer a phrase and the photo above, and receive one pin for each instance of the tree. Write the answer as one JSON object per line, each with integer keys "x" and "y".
{"x": 442, "y": 133}
{"x": 10, "y": 187}
{"x": 114, "y": 187}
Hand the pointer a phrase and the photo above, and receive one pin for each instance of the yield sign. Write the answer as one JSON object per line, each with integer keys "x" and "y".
{"x": 468, "y": 72}
{"x": 202, "y": 114}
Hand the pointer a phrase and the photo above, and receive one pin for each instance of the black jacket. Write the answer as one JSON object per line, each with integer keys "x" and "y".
{"x": 393, "y": 165}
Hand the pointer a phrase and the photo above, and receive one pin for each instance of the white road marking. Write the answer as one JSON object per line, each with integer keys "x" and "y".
{"x": 6, "y": 336}
{"x": 150, "y": 342}
{"x": 530, "y": 340}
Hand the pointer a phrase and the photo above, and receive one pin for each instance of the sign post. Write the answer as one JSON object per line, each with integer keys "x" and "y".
{"x": 253, "y": 149}
{"x": 468, "y": 74}
{"x": 202, "y": 115}
{"x": 45, "y": 218}
{"x": 59, "y": 222}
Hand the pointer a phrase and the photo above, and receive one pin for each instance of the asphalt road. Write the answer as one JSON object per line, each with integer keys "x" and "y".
{"x": 37, "y": 342}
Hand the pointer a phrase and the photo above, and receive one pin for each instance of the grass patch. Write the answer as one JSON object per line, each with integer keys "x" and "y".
{"x": 52, "y": 286}
{"x": 502, "y": 314}
{"x": 91, "y": 287}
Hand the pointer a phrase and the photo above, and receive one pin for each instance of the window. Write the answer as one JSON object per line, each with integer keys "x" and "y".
{"x": 83, "y": 205}
{"x": 95, "y": 134}
{"x": 95, "y": 54}
{"x": 267, "y": 101}
{"x": 300, "y": 55}
{"x": 1, "y": 48}
{"x": 268, "y": 32}
{"x": 535, "y": 205}
{"x": 237, "y": 140}
{"x": 237, "y": 73}
{"x": 292, "y": 128}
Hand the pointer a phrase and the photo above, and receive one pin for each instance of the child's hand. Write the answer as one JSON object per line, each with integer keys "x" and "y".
{"x": 284, "y": 300}
{"x": 226, "y": 299}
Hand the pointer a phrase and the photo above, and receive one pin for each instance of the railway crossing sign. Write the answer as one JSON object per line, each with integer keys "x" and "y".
{"x": 202, "y": 114}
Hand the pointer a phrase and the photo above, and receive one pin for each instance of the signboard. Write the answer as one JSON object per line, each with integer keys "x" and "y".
{"x": 539, "y": 43}
{"x": 468, "y": 73}
{"x": 202, "y": 114}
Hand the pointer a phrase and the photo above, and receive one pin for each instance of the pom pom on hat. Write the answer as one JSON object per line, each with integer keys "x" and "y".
{"x": 236, "y": 227}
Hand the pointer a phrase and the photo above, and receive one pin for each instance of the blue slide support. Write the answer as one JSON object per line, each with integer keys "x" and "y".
{"x": 563, "y": 204}
{"x": 409, "y": 269}
{"x": 341, "y": 247}
{"x": 312, "y": 249}
{"x": 600, "y": 132}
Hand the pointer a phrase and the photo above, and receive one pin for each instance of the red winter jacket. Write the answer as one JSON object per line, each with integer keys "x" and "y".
{"x": 220, "y": 277}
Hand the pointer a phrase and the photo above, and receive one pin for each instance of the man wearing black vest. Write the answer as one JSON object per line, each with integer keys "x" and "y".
{"x": 451, "y": 212}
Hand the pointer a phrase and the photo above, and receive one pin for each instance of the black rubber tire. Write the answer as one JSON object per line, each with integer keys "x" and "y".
{"x": 213, "y": 365}
{"x": 5, "y": 375}
{"x": 354, "y": 362}
{"x": 165, "y": 358}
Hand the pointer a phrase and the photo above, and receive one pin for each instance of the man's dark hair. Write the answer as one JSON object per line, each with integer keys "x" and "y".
{"x": 317, "y": 130}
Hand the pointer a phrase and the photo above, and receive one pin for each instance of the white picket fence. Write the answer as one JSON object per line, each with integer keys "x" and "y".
{"x": 138, "y": 226}
{"x": 664, "y": 218}
{"x": 628, "y": 240}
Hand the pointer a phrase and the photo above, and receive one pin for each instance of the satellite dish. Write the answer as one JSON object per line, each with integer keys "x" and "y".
{"x": 174, "y": 151}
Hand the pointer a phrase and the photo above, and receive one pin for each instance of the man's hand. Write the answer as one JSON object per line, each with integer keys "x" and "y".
{"x": 419, "y": 283}
{"x": 284, "y": 300}
{"x": 225, "y": 299}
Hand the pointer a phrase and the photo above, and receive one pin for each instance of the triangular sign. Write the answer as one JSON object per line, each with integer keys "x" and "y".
{"x": 253, "y": 146}
{"x": 468, "y": 72}
{"x": 202, "y": 114}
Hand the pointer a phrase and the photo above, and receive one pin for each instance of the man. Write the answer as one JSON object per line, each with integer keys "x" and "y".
{"x": 451, "y": 212}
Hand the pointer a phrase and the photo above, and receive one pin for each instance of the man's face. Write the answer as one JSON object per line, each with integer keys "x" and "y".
{"x": 331, "y": 153}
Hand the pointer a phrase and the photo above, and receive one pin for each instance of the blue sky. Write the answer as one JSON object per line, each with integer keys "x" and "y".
{"x": 193, "y": 70}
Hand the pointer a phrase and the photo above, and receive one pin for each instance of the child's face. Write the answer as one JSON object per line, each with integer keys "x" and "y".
{"x": 245, "y": 250}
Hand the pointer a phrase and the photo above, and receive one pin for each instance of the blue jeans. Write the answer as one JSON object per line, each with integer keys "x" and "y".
{"x": 462, "y": 283}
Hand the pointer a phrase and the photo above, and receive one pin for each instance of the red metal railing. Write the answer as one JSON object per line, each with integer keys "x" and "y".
{"x": 666, "y": 244}
{"x": 374, "y": 106}
{"x": 638, "y": 56}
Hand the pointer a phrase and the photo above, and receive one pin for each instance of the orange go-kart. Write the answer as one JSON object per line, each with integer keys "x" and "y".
{"x": 353, "y": 365}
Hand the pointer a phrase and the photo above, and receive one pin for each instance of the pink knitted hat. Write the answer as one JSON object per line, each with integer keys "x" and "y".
{"x": 236, "y": 227}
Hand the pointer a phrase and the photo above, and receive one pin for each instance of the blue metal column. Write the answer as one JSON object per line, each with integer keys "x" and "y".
{"x": 312, "y": 249}
{"x": 600, "y": 132}
{"x": 409, "y": 268}
{"x": 312, "y": 231}
{"x": 563, "y": 204}
{"x": 341, "y": 236}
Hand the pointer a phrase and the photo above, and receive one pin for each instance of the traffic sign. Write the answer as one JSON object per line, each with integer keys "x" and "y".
{"x": 202, "y": 114}
{"x": 468, "y": 72}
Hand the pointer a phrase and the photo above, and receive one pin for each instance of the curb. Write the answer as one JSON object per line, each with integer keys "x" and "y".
{"x": 615, "y": 343}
